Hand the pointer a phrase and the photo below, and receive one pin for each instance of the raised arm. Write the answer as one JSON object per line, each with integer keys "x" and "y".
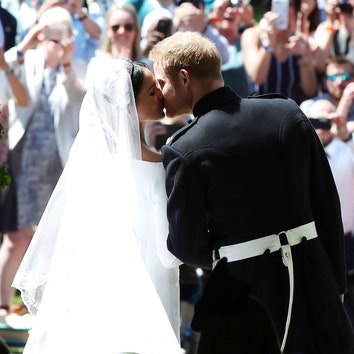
{"x": 18, "y": 89}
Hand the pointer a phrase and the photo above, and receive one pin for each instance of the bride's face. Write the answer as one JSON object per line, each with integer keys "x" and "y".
{"x": 150, "y": 102}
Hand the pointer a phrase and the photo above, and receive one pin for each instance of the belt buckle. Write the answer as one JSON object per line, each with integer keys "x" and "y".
{"x": 283, "y": 238}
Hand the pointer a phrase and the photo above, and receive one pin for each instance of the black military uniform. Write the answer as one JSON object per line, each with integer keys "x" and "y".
{"x": 246, "y": 169}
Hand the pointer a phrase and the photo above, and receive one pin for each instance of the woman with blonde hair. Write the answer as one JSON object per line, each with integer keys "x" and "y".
{"x": 121, "y": 40}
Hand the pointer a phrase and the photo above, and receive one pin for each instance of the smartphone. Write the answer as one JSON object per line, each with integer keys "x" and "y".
{"x": 321, "y": 123}
{"x": 165, "y": 26}
{"x": 55, "y": 33}
{"x": 282, "y": 8}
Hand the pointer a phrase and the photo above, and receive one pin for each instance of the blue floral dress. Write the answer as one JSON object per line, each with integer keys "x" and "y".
{"x": 37, "y": 165}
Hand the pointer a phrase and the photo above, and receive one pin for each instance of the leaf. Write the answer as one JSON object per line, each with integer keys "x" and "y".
{"x": 5, "y": 179}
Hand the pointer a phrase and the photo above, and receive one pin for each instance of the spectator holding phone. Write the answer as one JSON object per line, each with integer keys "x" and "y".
{"x": 190, "y": 15}
{"x": 40, "y": 135}
{"x": 157, "y": 25}
{"x": 144, "y": 7}
{"x": 335, "y": 36}
{"x": 86, "y": 31}
{"x": 280, "y": 59}
{"x": 230, "y": 18}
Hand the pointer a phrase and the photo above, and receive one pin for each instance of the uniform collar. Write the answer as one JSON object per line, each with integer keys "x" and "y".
{"x": 223, "y": 98}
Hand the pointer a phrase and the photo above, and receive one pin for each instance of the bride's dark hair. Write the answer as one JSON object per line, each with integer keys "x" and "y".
{"x": 136, "y": 72}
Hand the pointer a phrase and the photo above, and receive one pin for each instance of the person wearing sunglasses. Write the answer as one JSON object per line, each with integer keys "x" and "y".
{"x": 121, "y": 39}
{"x": 344, "y": 77}
{"x": 281, "y": 59}
{"x": 338, "y": 83}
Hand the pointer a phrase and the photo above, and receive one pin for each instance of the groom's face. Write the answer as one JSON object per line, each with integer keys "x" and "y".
{"x": 174, "y": 92}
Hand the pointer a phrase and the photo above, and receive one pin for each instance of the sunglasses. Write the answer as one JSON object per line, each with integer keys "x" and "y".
{"x": 128, "y": 27}
{"x": 344, "y": 77}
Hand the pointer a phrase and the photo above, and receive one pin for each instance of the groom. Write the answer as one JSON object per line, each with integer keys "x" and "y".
{"x": 248, "y": 181}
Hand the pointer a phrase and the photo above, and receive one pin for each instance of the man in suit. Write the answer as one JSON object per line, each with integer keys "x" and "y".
{"x": 248, "y": 180}
{"x": 8, "y": 29}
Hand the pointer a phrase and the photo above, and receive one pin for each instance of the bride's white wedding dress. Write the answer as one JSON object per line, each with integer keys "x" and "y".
{"x": 97, "y": 300}
{"x": 97, "y": 275}
{"x": 151, "y": 230}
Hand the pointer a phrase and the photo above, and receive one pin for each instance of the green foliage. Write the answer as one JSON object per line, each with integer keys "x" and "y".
{"x": 5, "y": 179}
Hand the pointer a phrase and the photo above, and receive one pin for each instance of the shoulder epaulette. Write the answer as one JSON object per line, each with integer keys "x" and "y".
{"x": 269, "y": 95}
{"x": 180, "y": 132}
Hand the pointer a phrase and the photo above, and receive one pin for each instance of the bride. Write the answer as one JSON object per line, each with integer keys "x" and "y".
{"x": 103, "y": 234}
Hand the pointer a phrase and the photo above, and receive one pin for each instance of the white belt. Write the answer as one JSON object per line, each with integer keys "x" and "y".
{"x": 271, "y": 243}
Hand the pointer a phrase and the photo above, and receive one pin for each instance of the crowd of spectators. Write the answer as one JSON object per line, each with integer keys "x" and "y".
{"x": 48, "y": 62}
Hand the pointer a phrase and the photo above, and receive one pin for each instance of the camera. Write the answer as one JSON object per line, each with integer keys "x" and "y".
{"x": 345, "y": 7}
{"x": 238, "y": 3}
{"x": 55, "y": 33}
{"x": 235, "y": 3}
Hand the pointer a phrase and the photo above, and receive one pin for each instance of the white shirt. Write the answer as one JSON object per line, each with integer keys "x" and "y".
{"x": 341, "y": 160}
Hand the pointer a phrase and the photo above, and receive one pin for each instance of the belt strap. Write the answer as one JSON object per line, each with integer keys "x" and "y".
{"x": 258, "y": 246}
{"x": 272, "y": 243}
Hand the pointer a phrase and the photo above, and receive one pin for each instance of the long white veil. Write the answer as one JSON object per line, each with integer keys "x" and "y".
{"x": 82, "y": 276}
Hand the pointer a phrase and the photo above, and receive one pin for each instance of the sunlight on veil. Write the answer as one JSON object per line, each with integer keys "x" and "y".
{"x": 84, "y": 252}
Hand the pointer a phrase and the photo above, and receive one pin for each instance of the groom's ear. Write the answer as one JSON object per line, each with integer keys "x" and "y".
{"x": 184, "y": 76}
